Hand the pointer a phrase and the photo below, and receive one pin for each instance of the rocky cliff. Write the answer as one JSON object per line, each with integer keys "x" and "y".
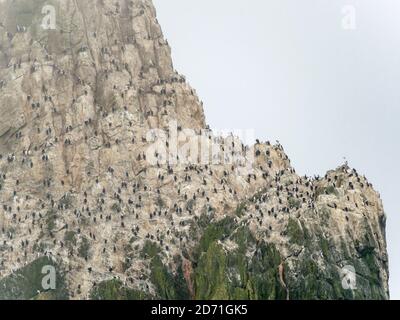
{"x": 101, "y": 178}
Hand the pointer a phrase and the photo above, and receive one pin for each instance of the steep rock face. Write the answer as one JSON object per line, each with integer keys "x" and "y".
{"x": 79, "y": 188}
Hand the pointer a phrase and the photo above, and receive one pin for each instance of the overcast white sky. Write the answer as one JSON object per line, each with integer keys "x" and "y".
{"x": 289, "y": 70}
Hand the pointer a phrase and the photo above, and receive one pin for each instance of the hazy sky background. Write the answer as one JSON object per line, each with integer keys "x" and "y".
{"x": 288, "y": 69}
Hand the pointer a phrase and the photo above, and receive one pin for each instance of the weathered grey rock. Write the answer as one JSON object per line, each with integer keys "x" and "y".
{"x": 76, "y": 107}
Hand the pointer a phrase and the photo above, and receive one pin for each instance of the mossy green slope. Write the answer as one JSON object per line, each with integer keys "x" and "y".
{"x": 235, "y": 275}
{"x": 26, "y": 283}
{"x": 114, "y": 290}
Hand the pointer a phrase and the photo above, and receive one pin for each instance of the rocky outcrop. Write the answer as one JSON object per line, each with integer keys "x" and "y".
{"x": 100, "y": 177}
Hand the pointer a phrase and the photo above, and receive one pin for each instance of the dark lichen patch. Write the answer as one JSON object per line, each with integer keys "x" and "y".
{"x": 216, "y": 231}
{"x": 264, "y": 274}
{"x": 233, "y": 275}
{"x": 190, "y": 205}
{"x": 241, "y": 209}
{"x": 310, "y": 283}
{"x": 150, "y": 250}
{"x": 26, "y": 283}
{"x": 70, "y": 239}
{"x": 116, "y": 207}
{"x": 329, "y": 190}
{"x": 181, "y": 284}
{"x": 294, "y": 203}
{"x": 324, "y": 245}
{"x": 160, "y": 202}
{"x": 84, "y": 248}
{"x": 324, "y": 280}
{"x": 66, "y": 201}
{"x": 295, "y": 232}
{"x": 169, "y": 286}
{"x": 51, "y": 219}
{"x": 210, "y": 274}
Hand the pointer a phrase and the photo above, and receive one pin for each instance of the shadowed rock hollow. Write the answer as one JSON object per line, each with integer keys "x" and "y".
{"x": 79, "y": 192}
